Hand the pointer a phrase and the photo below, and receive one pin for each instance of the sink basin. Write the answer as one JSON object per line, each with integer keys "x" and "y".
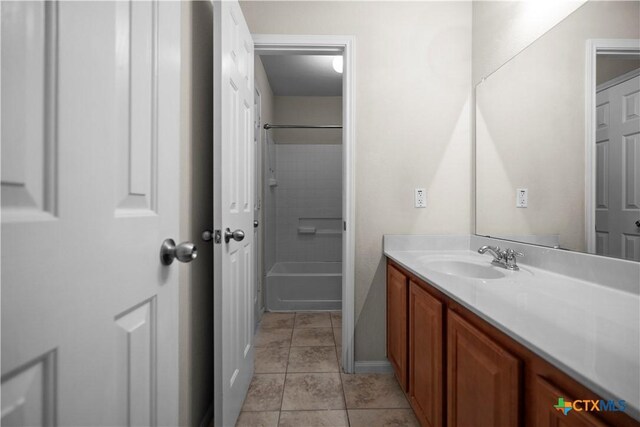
{"x": 465, "y": 269}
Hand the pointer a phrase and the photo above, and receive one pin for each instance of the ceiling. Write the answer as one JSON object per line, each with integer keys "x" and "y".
{"x": 302, "y": 75}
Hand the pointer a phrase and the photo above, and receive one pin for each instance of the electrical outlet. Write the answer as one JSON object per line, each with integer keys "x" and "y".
{"x": 522, "y": 198}
{"x": 420, "y": 198}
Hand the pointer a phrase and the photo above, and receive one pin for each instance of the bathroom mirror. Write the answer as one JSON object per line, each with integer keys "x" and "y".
{"x": 558, "y": 137}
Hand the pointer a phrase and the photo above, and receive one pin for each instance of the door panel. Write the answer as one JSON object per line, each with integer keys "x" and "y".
{"x": 234, "y": 284}
{"x": 483, "y": 379}
{"x": 548, "y": 415}
{"x": 397, "y": 334}
{"x": 89, "y": 315}
{"x": 426, "y": 386}
{"x": 618, "y": 170}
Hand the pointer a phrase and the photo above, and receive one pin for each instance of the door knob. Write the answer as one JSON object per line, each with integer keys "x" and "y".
{"x": 255, "y": 223}
{"x": 638, "y": 223}
{"x": 237, "y": 235}
{"x": 184, "y": 252}
{"x": 207, "y": 235}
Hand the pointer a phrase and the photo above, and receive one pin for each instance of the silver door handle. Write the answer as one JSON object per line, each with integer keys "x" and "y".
{"x": 255, "y": 223}
{"x": 184, "y": 252}
{"x": 207, "y": 235}
{"x": 237, "y": 235}
{"x": 638, "y": 223}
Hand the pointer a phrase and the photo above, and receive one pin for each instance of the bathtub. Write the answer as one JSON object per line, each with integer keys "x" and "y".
{"x": 294, "y": 286}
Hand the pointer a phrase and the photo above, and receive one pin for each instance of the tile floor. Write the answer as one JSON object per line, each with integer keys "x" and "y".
{"x": 298, "y": 380}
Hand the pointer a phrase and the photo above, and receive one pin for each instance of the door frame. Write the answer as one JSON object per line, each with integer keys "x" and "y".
{"x": 327, "y": 44}
{"x": 258, "y": 308}
{"x": 593, "y": 48}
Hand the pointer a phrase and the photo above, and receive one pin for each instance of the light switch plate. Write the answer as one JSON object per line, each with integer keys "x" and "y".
{"x": 420, "y": 198}
{"x": 522, "y": 198}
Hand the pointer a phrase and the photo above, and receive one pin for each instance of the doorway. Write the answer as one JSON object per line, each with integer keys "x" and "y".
{"x": 613, "y": 148}
{"x": 318, "y": 234}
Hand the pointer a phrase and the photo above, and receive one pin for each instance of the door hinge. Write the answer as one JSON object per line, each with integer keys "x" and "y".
{"x": 217, "y": 236}
{"x": 344, "y": 225}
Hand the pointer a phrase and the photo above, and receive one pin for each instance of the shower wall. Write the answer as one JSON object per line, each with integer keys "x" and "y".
{"x": 309, "y": 202}
{"x": 303, "y": 182}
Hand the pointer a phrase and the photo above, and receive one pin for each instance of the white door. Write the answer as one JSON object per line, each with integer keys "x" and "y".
{"x": 90, "y": 148}
{"x": 233, "y": 209}
{"x": 618, "y": 170}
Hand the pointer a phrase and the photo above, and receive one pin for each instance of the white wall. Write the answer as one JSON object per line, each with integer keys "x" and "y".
{"x": 308, "y": 110}
{"x": 501, "y": 29}
{"x": 530, "y": 122}
{"x": 413, "y": 82}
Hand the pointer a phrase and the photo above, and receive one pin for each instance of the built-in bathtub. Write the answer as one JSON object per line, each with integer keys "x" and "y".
{"x": 295, "y": 286}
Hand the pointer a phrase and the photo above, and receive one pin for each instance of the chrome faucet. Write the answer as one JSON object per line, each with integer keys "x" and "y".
{"x": 503, "y": 258}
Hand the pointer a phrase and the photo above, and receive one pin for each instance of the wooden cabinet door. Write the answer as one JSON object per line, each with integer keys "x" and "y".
{"x": 397, "y": 323}
{"x": 547, "y": 415}
{"x": 425, "y": 356}
{"x": 483, "y": 387}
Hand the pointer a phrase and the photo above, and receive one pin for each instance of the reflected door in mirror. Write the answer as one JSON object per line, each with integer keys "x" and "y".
{"x": 618, "y": 169}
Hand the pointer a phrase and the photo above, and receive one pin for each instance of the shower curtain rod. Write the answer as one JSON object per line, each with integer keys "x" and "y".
{"x": 268, "y": 126}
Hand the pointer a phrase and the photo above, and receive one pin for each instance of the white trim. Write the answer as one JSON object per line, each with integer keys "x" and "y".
{"x": 259, "y": 194}
{"x": 373, "y": 367}
{"x": 331, "y": 44}
{"x": 617, "y": 80}
{"x": 593, "y": 47}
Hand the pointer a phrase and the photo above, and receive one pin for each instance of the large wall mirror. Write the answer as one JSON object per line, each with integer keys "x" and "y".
{"x": 558, "y": 137}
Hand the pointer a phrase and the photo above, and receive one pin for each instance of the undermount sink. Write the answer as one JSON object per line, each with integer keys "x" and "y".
{"x": 465, "y": 269}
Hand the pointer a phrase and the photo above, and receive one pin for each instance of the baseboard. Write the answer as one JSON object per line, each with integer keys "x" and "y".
{"x": 373, "y": 367}
{"x": 208, "y": 417}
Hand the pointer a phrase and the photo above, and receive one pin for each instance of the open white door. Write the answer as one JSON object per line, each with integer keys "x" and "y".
{"x": 233, "y": 210}
{"x": 618, "y": 169}
{"x": 90, "y": 173}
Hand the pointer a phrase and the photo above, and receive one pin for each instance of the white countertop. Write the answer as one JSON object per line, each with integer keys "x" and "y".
{"x": 589, "y": 331}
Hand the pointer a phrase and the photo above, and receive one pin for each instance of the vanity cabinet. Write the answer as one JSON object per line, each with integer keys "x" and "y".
{"x": 546, "y": 396}
{"x": 458, "y": 370}
{"x": 397, "y": 315}
{"x": 483, "y": 379}
{"x": 426, "y": 378}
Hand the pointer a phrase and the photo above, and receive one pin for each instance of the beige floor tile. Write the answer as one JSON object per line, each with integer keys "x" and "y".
{"x": 382, "y": 418}
{"x": 329, "y": 418}
{"x": 258, "y": 419}
{"x": 313, "y": 320}
{"x": 273, "y": 338}
{"x": 312, "y": 359}
{"x": 337, "y": 335}
{"x": 312, "y": 391}
{"x": 339, "y": 356}
{"x": 312, "y": 337}
{"x": 373, "y": 391}
{"x": 265, "y": 393}
{"x": 336, "y": 319}
{"x": 277, "y": 320}
{"x": 271, "y": 360}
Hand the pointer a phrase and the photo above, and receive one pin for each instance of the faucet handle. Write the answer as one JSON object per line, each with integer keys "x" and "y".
{"x": 511, "y": 254}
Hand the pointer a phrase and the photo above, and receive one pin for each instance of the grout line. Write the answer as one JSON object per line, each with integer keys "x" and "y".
{"x": 284, "y": 385}
{"x": 344, "y": 394}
